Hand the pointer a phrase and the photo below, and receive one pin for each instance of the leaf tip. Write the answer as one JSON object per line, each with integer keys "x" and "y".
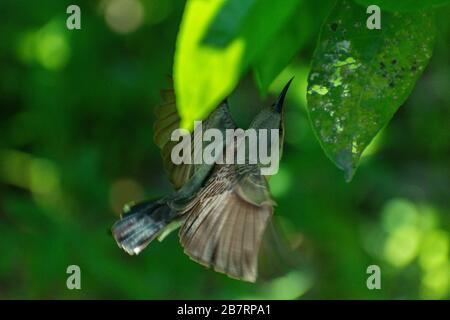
{"x": 348, "y": 174}
{"x": 344, "y": 161}
{"x": 187, "y": 123}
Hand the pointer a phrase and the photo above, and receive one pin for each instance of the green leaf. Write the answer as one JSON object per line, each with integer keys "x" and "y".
{"x": 228, "y": 21}
{"x": 404, "y": 5}
{"x": 205, "y": 74}
{"x": 360, "y": 77}
{"x": 294, "y": 35}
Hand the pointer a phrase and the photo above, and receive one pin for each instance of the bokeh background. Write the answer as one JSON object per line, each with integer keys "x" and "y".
{"x": 76, "y": 144}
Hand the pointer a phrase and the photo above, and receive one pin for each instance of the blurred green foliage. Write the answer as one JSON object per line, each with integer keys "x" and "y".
{"x": 76, "y": 144}
{"x": 405, "y": 5}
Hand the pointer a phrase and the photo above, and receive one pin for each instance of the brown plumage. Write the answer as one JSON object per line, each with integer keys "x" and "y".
{"x": 224, "y": 209}
{"x": 225, "y": 223}
{"x": 167, "y": 120}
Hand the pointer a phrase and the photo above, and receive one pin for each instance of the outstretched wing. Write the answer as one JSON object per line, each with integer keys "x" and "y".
{"x": 225, "y": 223}
{"x": 167, "y": 120}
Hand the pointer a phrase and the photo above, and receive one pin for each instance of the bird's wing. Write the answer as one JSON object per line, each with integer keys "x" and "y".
{"x": 225, "y": 223}
{"x": 167, "y": 120}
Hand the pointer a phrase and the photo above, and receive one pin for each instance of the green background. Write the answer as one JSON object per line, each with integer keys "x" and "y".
{"x": 76, "y": 144}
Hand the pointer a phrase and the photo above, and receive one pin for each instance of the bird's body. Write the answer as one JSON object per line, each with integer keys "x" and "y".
{"x": 223, "y": 209}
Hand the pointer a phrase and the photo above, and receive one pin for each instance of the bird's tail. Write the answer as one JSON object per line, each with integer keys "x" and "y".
{"x": 140, "y": 224}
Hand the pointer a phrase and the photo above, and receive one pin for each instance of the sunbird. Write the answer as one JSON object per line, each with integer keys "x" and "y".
{"x": 223, "y": 209}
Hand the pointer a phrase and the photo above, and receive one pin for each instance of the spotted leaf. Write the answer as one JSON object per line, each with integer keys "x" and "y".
{"x": 360, "y": 77}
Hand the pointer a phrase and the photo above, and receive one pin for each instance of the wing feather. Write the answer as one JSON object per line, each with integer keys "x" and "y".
{"x": 167, "y": 120}
{"x": 223, "y": 228}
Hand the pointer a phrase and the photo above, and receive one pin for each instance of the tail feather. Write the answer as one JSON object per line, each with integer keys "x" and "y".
{"x": 140, "y": 225}
{"x": 225, "y": 233}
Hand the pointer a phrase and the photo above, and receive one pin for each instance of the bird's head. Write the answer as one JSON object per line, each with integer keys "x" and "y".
{"x": 273, "y": 118}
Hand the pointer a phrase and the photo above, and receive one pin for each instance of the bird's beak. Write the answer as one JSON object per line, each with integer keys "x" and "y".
{"x": 278, "y": 104}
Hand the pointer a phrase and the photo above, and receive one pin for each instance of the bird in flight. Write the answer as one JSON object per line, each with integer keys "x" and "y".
{"x": 223, "y": 209}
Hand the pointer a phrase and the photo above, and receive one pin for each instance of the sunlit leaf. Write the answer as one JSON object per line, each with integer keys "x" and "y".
{"x": 360, "y": 77}
{"x": 205, "y": 74}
